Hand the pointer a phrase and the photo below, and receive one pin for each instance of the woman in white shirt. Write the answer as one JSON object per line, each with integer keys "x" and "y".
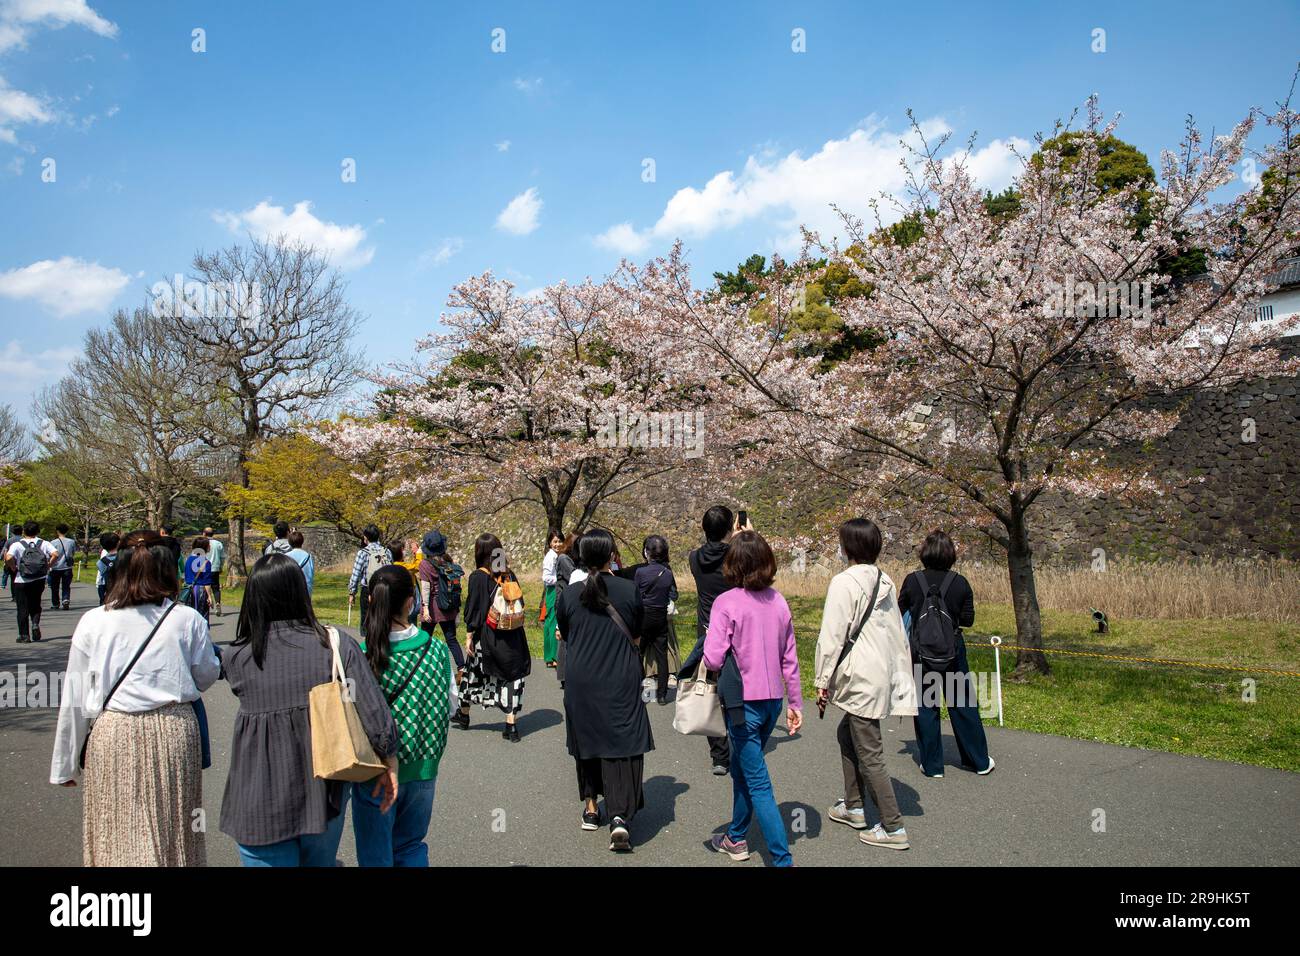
{"x": 554, "y": 547}
{"x": 135, "y": 668}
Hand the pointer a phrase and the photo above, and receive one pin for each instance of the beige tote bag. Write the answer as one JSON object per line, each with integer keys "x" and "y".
{"x": 698, "y": 709}
{"x": 340, "y": 747}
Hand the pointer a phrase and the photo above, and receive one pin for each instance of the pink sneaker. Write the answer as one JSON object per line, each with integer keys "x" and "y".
{"x": 737, "y": 850}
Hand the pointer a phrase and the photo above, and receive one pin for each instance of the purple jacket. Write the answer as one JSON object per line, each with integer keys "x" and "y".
{"x": 757, "y": 628}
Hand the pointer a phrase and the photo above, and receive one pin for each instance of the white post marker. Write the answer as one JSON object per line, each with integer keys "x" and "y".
{"x": 997, "y": 664}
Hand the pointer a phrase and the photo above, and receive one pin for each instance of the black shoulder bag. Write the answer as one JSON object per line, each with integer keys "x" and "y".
{"x": 81, "y": 758}
{"x": 392, "y": 698}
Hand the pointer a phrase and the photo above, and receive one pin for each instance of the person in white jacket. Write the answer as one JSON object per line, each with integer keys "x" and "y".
{"x": 864, "y": 667}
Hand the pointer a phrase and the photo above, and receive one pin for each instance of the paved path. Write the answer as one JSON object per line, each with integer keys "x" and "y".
{"x": 503, "y": 803}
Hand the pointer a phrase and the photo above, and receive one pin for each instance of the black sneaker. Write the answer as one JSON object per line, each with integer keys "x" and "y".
{"x": 461, "y": 720}
{"x": 512, "y": 734}
{"x": 619, "y": 839}
{"x": 662, "y": 701}
{"x": 590, "y": 820}
{"x": 24, "y": 639}
{"x": 66, "y": 605}
{"x": 36, "y": 634}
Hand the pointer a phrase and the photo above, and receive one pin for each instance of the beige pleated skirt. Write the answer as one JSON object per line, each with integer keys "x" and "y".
{"x": 144, "y": 789}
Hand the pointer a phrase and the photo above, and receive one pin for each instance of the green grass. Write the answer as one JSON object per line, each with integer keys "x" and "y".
{"x": 1176, "y": 709}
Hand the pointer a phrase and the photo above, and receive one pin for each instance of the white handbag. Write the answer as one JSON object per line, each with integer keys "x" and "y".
{"x": 698, "y": 710}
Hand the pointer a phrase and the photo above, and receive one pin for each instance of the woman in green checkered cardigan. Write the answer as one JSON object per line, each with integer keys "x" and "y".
{"x": 415, "y": 673}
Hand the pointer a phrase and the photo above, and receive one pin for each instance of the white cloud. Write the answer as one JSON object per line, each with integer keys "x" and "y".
{"x": 503, "y": 146}
{"x": 18, "y": 108}
{"x": 520, "y": 216}
{"x": 441, "y": 253}
{"x": 22, "y": 373}
{"x": 624, "y": 239}
{"x": 528, "y": 86}
{"x": 19, "y": 17}
{"x": 793, "y": 190}
{"x": 344, "y": 245}
{"x": 65, "y": 286}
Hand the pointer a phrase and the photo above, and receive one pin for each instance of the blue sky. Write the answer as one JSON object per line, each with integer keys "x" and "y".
{"x": 529, "y": 162}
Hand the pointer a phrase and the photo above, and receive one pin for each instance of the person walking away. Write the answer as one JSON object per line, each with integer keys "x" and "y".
{"x": 940, "y": 603}
{"x": 108, "y": 544}
{"x": 136, "y": 667}
{"x": 864, "y": 667}
{"x": 752, "y": 622}
{"x": 568, "y": 570}
{"x": 497, "y": 657}
{"x": 407, "y": 555}
{"x": 197, "y": 592}
{"x": 301, "y": 557}
{"x": 606, "y": 726}
{"x": 217, "y": 555}
{"x": 28, "y": 560}
{"x": 277, "y": 812}
{"x": 370, "y": 558}
{"x": 281, "y": 544}
{"x": 415, "y": 673}
{"x": 60, "y": 577}
{"x": 657, "y": 588}
{"x": 706, "y": 568}
{"x": 550, "y": 588}
{"x": 440, "y": 588}
{"x": 13, "y": 533}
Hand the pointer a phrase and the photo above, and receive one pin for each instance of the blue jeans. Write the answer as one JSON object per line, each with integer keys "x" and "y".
{"x": 395, "y": 838}
{"x": 310, "y": 849}
{"x": 751, "y": 787}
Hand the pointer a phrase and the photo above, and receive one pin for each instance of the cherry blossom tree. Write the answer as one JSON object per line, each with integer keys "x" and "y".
{"x": 1036, "y": 336}
{"x": 563, "y": 400}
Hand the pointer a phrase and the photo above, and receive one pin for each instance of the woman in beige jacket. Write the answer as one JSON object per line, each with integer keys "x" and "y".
{"x": 864, "y": 668}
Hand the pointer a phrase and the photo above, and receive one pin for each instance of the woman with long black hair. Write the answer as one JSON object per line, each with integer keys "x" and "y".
{"x": 606, "y": 725}
{"x": 497, "y": 656}
{"x": 415, "y": 672}
{"x": 274, "y": 807}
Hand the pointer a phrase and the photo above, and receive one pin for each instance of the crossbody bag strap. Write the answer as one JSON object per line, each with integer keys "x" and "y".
{"x": 857, "y": 631}
{"x": 140, "y": 651}
{"x": 392, "y": 699}
{"x": 619, "y": 622}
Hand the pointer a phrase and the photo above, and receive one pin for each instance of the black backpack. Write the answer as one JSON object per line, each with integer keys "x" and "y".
{"x": 32, "y": 563}
{"x": 934, "y": 638}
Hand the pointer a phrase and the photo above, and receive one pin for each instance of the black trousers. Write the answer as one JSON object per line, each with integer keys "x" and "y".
{"x": 618, "y": 779}
{"x": 60, "y": 587}
{"x": 453, "y": 645}
{"x": 654, "y": 643}
{"x": 28, "y": 596}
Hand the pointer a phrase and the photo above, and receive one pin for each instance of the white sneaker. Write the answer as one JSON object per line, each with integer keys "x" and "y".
{"x": 843, "y": 814}
{"x": 987, "y": 770}
{"x": 877, "y": 836}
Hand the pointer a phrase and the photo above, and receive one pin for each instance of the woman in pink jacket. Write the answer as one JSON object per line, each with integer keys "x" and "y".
{"x": 752, "y": 623}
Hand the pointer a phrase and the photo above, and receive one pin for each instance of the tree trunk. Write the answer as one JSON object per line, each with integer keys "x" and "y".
{"x": 234, "y": 575}
{"x": 1024, "y": 599}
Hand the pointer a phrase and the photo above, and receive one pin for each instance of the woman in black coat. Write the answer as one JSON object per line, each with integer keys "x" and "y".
{"x": 606, "y": 725}
{"x": 497, "y": 661}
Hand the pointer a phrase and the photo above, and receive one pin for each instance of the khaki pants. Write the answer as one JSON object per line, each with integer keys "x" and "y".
{"x": 863, "y": 758}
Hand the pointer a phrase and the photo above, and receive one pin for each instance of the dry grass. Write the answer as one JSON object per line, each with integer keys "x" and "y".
{"x": 1266, "y": 591}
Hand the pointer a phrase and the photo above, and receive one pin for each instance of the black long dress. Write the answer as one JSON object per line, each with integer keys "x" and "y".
{"x": 494, "y": 674}
{"x": 606, "y": 725}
